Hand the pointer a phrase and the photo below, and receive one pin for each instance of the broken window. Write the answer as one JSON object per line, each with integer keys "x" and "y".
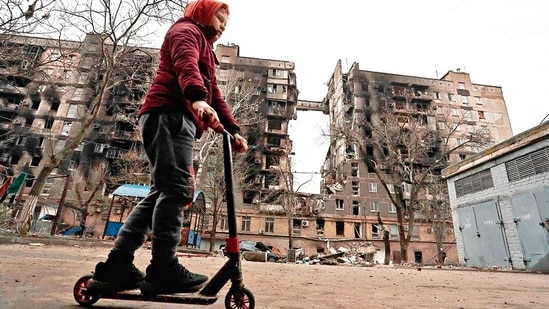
{"x": 354, "y": 169}
{"x": 55, "y": 105}
{"x": 356, "y": 208}
{"x": 375, "y": 231}
{"x": 320, "y": 227}
{"x": 73, "y": 165}
{"x": 355, "y": 185}
{"x": 66, "y": 128}
{"x": 481, "y": 115}
{"x": 357, "y": 230}
{"x": 99, "y": 148}
{"x": 339, "y": 204}
{"x": 275, "y": 108}
{"x": 275, "y": 125}
{"x": 47, "y": 186}
{"x": 269, "y": 225}
{"x": 223, "y": 223}
{"x": 35, "y": 161}
{"x": 340, "y": 228}
{"x": 49, "y": 123}
{"x": 21, "y": 141}
{"x": 246, "y": 222}
{"x": 393, "y": 229}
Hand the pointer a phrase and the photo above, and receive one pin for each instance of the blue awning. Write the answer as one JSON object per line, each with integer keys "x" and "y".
{"x": 132, "y": 190}
{"x": 142, "y": 191}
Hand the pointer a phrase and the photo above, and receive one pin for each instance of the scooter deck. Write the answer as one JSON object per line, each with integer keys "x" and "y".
{"x": 181, "y": 298}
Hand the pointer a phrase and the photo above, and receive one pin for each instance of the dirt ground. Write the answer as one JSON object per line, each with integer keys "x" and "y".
{"x": 42, "y": 276}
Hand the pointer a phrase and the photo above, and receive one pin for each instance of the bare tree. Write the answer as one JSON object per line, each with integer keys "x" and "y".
{"x": 289, "y": 200}
{"x": 241, "y": 92}
{"x": 406, "y": 152}
{"x": 116, "y": 27}
{"x": 128, "y": 167}
{"x": 86, "y": 190}
{"x": 23, "y": 17}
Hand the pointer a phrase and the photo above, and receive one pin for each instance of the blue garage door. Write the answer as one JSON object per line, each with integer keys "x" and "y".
{"x": 531, "y": 213}
{"x": 482, "y": 235}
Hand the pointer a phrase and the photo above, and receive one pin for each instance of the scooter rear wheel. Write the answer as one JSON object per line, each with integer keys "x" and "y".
{"x": 241, "y": 299}
{"x": 78, "y": 292}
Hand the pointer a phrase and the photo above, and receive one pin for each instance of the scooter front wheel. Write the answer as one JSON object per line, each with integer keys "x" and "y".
{"x": 240, "y": 299}
{"x": 78, "y": 292}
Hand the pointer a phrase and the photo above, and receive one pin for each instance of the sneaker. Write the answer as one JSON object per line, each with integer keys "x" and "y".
{"x": 167, "y": 281}
{"x": 110, "y": 278}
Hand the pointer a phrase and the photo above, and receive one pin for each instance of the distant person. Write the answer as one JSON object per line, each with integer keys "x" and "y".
{"x": 183, "y": 101}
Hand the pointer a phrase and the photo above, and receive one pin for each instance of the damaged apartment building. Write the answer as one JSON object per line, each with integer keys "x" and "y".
{"x": 46, "y": 86}
{"x": 354, "y": 194}
{"x": 269, "y": 87}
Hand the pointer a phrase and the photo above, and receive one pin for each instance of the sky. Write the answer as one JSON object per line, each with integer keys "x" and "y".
{"x": 498, "y": 42}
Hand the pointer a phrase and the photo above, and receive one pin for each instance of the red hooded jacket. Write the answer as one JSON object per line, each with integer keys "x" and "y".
{"x": 186, "y": 73}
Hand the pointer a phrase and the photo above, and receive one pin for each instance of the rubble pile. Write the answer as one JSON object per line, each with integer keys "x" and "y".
{"x": 361, "y": 255}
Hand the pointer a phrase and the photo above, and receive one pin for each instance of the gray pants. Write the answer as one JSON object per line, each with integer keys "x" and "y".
{"x": 168, "y": 140}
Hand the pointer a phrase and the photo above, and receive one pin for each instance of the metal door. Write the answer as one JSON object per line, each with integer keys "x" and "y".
{"x": 483, "y": 236}
{"x": 531, "y": 227}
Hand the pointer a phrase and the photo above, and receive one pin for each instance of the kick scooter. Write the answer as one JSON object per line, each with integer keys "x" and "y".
{"x": 238, "y": 297}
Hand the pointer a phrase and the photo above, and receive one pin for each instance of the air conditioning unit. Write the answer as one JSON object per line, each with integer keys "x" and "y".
{"x": 304, "y": 223}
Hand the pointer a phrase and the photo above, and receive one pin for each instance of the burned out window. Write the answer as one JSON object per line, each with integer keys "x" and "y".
{"x": 340, "y": 228}
{"x": 355, "y": 187}
{"x": 354, "y": 169}
{"x": 356, "y": 208}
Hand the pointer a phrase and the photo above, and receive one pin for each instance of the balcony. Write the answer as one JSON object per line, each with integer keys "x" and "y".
{"x": 271, "y": 209}
{"x": 422, "y": 96}
{"x": 276, "y": 112}
{"x": 127, "y": 135}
